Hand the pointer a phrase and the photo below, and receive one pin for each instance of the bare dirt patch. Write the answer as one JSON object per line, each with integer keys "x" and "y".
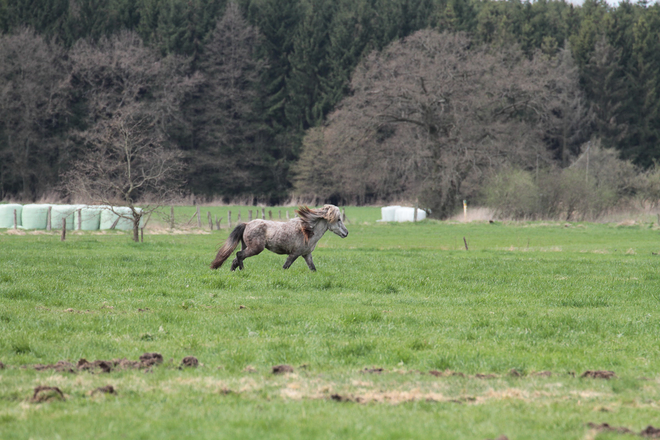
{"x": 60, "y": 367}
{"x": 648, "y": 432}
{"x": 446, "y": 373}
{"x": 108, "y": 389}
{"x": 47, "y": 394}
{"x": 281, "y": 369}
{"x": 103, "y": 366}
{"x": 189, "y": 361}
{"x": 599, "y": 374}
{"x": 147, "y": 360}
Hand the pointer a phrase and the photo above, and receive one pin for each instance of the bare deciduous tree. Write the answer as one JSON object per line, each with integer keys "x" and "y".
{"x": 133, "y": 98}
{"x": 126, "y": 161}
{"x": 428, "y": 118}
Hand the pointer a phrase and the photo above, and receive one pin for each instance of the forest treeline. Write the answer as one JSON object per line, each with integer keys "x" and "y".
{"x": 248, "y": 93}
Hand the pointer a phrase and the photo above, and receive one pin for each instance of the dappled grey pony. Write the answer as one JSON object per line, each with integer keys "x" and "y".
{"x": 296, "y": 237}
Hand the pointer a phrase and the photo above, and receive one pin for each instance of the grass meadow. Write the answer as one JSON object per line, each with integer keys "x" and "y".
{"x": 548, "y": 300}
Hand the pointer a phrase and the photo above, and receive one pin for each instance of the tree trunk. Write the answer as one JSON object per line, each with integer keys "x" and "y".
{"x": 136, "y": 229}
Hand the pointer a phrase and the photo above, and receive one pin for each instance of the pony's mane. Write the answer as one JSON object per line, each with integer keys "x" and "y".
{"x": 310, "y": 217}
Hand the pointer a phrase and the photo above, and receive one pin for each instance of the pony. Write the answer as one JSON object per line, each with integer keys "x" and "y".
{"x": 295, "y": 238}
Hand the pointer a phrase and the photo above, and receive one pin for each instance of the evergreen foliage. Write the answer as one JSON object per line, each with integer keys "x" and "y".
{"x": 304, "y": 58}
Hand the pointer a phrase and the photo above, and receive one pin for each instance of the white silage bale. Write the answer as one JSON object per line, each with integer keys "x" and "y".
{"x": 7, "y": 215}
{"x": 90, "y": 217}
{"x": 108, "y": 218}
{"x": 387, "y": 213}
{"x": 62, "y": 212}
{"x": 34, "y": 216}
{"x": 405, "y": 214}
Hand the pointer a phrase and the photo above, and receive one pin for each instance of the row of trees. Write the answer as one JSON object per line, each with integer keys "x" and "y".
{"x": 244, "y": 92}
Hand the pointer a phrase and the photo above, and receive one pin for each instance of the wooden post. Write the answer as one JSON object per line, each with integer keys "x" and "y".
{"x": 415, "y": 215}
{"x": 114, "y": 225}
{"x": 48, "y": 217}
{"x": 80, "y": 219}
{"x": 208, "y": 214}
{"x": 15, "y": 219}
{"x": 287, "y": 215}
{"x": 249, "y": 215}
{"x": 465, "y": 241}
{"x": 63, "y": 236}
{"x": 217, "y": 222}
{"x": 171, "y": 217}
{"x": 199, "y": 218}
{"x": 238, "y": 220}
{"x": 279, "y": 214}
{"x": 141, "y": 235}
{"x": 270, "y": 214}
{"x": 229, "y": 219}
{"x": 263, "y": 213}
{"x": 343, "y": 214}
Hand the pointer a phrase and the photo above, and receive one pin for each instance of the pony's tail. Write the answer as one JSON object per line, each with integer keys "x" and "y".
{"x": 226, "y": 250}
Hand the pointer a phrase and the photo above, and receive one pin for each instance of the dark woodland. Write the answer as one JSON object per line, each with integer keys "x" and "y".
{"x": 339, "y": 101}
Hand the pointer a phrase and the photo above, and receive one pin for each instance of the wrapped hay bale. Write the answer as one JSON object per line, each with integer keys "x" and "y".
{"x": 387, "y": 213}
{"x": 35, "y": 216}
{"x": 125, "y": 215}
{"x": 404, "y": 214}
{"x": 62, "y": 212}
{"x": 7, "y": 215}
{"x": 90, "y": 217}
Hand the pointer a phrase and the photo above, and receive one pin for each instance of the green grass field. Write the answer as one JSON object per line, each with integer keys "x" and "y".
{"x": 407, "y": 298}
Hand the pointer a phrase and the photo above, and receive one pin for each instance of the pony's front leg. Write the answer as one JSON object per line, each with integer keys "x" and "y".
{"x": 310, "y": 262}
{"x": 289, "y": 261}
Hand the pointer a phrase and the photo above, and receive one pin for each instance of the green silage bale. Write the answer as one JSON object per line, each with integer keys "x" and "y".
{"x": 90, "y": 217}
{"x": 61, "y": 212}
{"x": 34, "y": 216}
{"x": 7, "y": 215}
{"x": 108, "y": 218}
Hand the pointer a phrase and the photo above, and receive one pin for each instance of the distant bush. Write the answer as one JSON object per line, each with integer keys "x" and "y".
{"x": 595, "y": 184}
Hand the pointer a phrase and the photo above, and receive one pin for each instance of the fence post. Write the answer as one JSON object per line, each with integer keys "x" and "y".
{"x": 63, "y": 236}
{"x": 142, "y": 235}
{"x": 199, "y": 218}
{"x": 48, "y": 217}
{"x": 263, "y": 214}
{"x": 229, "y": 219}
{"x": 343, "y": 214}
{"x": 217, "y": 222}
{"x": 238, "y": 220}
{"x": 415, "y": 215}
{"x": 279, "y": 214}
{"x": 287, "y": 215}
{"x": 15, "y": 219}
{"x": 270, "y": 214}
{"x": 80, "y": 219}
{"x": 171, "y": 217}
{"x": 249, "y": 215}
{"x": 208, "y": 214}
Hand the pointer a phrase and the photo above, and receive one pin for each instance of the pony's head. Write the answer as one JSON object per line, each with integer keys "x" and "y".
{"x": 329, "y": 213}
{"x": 333, "y": 217}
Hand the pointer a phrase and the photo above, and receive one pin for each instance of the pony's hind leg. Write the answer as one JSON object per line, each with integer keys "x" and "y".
{"x": 250, "y": 250}
{"x": 238, "y": 263}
